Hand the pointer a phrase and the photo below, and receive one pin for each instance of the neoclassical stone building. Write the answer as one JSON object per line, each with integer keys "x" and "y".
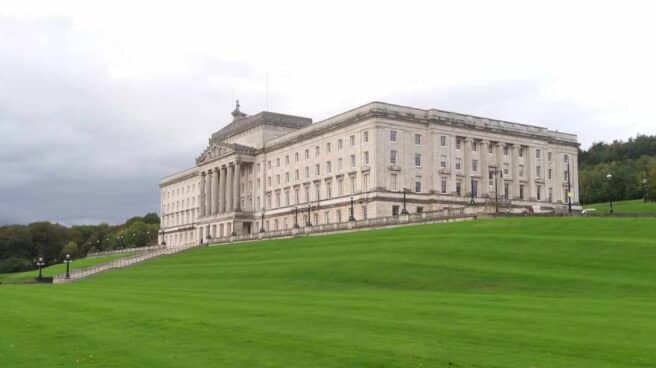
{"x": 273, "y": 171}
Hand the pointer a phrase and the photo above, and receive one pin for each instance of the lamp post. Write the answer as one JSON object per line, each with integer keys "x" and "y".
{"x": 40, "y": 263}
{"x": 404, "y": 211}
{"x": 164, "y": 241}
{"x": 610, "y": 197}
{"x": 68, "y": 261}
{"x": 262, "y": 221}
{"x": 569, "y": 191}
{"x": 471, "y": 193}
{"x": 309, "y": 213}
{"x": 296, "y": 217}
{"x": 351, "y": 217}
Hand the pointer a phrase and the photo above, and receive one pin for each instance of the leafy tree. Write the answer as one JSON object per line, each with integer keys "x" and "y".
{"x": 70, "y": 248}
{"x": 151, "y": 218}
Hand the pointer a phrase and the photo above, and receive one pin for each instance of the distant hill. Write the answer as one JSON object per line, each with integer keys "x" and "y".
{"x": 628, "y": 162}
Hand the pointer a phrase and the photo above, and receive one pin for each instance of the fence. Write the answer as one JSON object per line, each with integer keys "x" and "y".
{"x": 123, "y": 251}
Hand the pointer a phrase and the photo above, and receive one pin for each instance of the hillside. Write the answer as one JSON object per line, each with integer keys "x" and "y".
{"x": 525, "y": 292}
{"x": 633, "y": 206}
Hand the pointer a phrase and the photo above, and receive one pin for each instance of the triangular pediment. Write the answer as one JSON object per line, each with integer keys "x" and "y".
{"x": 218, "y": 149}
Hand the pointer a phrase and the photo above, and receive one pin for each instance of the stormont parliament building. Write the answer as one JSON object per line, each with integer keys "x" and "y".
{"x": 272, "y": 171}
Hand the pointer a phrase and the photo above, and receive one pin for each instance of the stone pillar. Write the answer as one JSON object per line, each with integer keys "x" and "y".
{"x": 515, "y": 172}
{"x": 237, "y": 187}
{"x": 499, "y": 159}
{"x": 208, "y": 193}
{"x": 484, "y": 187}
{"x": 451, "y": 156}
{"x": 201, "y": 200}
{"x": 215, "y": 191}
{"x": 467, "y": 167}
{"x": 529, "y": 162}
{"x": 222, "y": 188}
{"x": 229, "y": 189}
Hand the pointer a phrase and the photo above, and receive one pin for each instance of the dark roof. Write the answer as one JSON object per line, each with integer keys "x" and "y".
{"x": 244, "y": 123}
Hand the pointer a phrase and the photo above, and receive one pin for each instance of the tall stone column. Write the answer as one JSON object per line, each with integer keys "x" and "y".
{"x": 237, "y": 187}
{"x": 215, "y": 191}
{"x": 229, "y": 182}
{"x": 451, "y": 156}
{"x": 467, "y": 166}
{"x": 208, "y": 193}
{"x": 515, "y": 172}
{"x": 529, "y": 162}
{"x": 499, "y": 159}
{"x": 484, "y": 190}
{"x": 201, "y": 200}
{"x": 222, "y": 188}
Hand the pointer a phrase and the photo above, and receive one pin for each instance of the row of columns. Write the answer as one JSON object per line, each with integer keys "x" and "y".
{"x": 220, "y": 189}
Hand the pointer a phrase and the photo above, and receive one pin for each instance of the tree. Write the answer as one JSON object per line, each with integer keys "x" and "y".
{"x": 651, "y": 183}
{"x": 151, "y": 218}
{"x": 70, "y": 248}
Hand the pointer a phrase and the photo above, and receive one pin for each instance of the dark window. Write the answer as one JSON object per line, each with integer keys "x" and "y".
{"x": 420, "y": 209}
{"x": 395, "y": 210}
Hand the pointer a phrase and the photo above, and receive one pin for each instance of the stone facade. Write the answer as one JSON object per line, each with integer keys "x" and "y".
{"x": 272, "y": 171}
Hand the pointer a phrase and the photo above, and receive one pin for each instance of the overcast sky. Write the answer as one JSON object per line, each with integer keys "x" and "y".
{"x": 99, "y": 101}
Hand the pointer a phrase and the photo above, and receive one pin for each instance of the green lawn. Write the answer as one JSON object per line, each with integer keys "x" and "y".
{"x": 630, "y": 206}
{"x": 520, "y": 292}
{"x": 22, "y": 277}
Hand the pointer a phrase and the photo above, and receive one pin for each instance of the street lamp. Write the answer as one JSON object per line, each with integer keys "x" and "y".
{"x": 40, "y": 263}
{"x": 352, "y": 217}
{"x": 296, "y": 217}
{"x": 163, "y": 240}
{"x": 68, "y": 261}
{"x": 404, "y": 211}
{"x": 569, "y": 191}
{"x": 262, "y": 221}
{"x": 610, "y": 197}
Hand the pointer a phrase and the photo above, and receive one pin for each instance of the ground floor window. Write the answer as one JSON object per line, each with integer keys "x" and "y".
{"x": 395, "y": 210}
{"x": 506, "y": 191}
{"x": 521, "y": 191}
{"x": 420, "y": 209}
{"x": 539, "y": 192}
{"x": 458, "y": 188}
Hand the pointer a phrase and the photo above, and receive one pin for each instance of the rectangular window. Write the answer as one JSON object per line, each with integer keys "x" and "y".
{"x": 506, "y": 190}
{"x": 474, "y": 165}
{"x": 392, "y": 135}
{"x": 339, "y": 164}
{"x": 277, "y": 179}
{"x": 287, "y": 198}
{"x": 474, "y": 146}
{"x": 352, "y": 138}
{"x": 296, "y": 156}
{"x": 340, "y": 143}
{"x": 549, "y": 174}
{"x": 417, "y": 139}
{"x": 474, "y": 184}
{"x": 443, "y": 141}
{"x": 329, "y": 191}
{"x": 316, "y": 151}
{"x": 565, "y": 158}
{"x": 458, "y": 143}
{"x": 418, "y": 159}
{"x": 549, "y": 158}
{"x": 395, "y": 210}
{"x": 443, "y": 161}
{"x": 317, "y": 169}
{"x": 521, "y": 151}
{"x": 538, "y": 171}
{"x": 307, "y": 154}
{"x": 307, "y": 172}
{"x": 340, "y": 186}
{"x": 365, "y": 182}
{"x": 539, "y": 192}
{"x": 329, "y": 167}
{"x": 443, "y": 183}
{"x": 352, "y": 178}
{"x": 366, "y": 157}
{"x": 490, "y": 176}
{"x": 458, "y": 188}
{"x": 365, "y": 137}
{"x": 521, "y": 170}
{"x": 420, "y": 209}
{"x": 418, "y": 184}
{"x": 296, "y": 176}
{"x": 458, "y": 163}
{"x": 328, "y": 147}
{"x": 352, "y": 160}
{"x": 521, "y": 191}
{"x": 550, "y": 194}
{"x": 505, "y": 150}
{"x": 537, "y": 153}
{"x": 506, "y": 169}
{"x": 287, "y": 177}
{"x": 393, "y": 182}
{"x": 393, "y": 157}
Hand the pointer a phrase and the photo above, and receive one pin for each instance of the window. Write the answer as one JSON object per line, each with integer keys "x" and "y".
{"x": 307, "y": 154}
{"x": 458, "y": 188}
{"x": 474, "y": 146}
{"x": 328, "y": 147}
{"x": 296, "y": 176}
{"x": 296, "y": 196}
{"x": 458, "y": 163}
{"x": 539, "y": 192}
{"x": 392, "y": 135}
{"x": 352, "y": 179}
{"x": 339, "y": 215}
{"x": 278, "y": 179}
{"x": 443, "y": 183}
{"x": 287, "y": 177}
{"x": 537, "y": 153}
{"x": 474, "y": 165}
{"x": 316, "y": 151}
{"x": 329, "y": 191}
{"x": 505, "y": 150}
{"x": 307, "y": 172}
{"x": 328, "y": 167}
{"x": 395, "y": 210}
{"x": 490, "y": 176}
{"x": 366, "y": 157}
{"x": 317, "y": 169}
{"x": 418, "y": 184}
{"x": 364, "y": 212}
{"x": 287, "y": 160}
{"x": 393, "y": 157}
{"x": 489, "y": 148}
{"x": 521, "y": 170}
{"x": 474, "y": 188}
{"x": 365, "y": 182}
{"x": 296, "y": 156}
{"x": 418, "y": 159}
{"x": 458, "y": 143}
{"x": 521, "y": 151}
{"x": 339, "y": 144}
{"x": 565, "y": 158}
{"x": 506, "y": 169}
{"x": 443, "y": 161}
{"x": 538, "y": 171}
{"x": 287, "y": 197}
{"x": 550, "y": 194}
{"x": 506, "y": 190}
{"x": 420, "y": 209}
{"x": 393, "y": 182}
{"x": 443, "y": 141}
{"x": 549, "y": 158}
{"x": 417, "y": 138}
{"x": 352, "y": 139}
{"x": 365, "y": 137}
{"x": 269, "y": 179}
{"x": 340, "y": 186}
{"x": 565, "y": 175}
{"x": 317, "y": 190}
{"x": 352, "y": 160}
{"x": 278, "y": 162}
{"x": 521, "y": 191}
{"x": 339, "y": 164}
{"x": 549, "y": 174}
{"x": 269, "y": 164}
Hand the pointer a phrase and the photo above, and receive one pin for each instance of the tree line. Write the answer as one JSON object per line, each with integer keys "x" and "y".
{"x": 22, "y": 245}
{"x": 631, "y": 164}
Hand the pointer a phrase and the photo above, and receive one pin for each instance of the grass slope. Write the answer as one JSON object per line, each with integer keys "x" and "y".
{"x": 21, "y": 277}
{"x": 629, "y": 206}
{"x": 524, "y": 292}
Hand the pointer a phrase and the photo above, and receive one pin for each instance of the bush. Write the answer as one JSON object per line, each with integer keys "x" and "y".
{"x": 14, "y": 264}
